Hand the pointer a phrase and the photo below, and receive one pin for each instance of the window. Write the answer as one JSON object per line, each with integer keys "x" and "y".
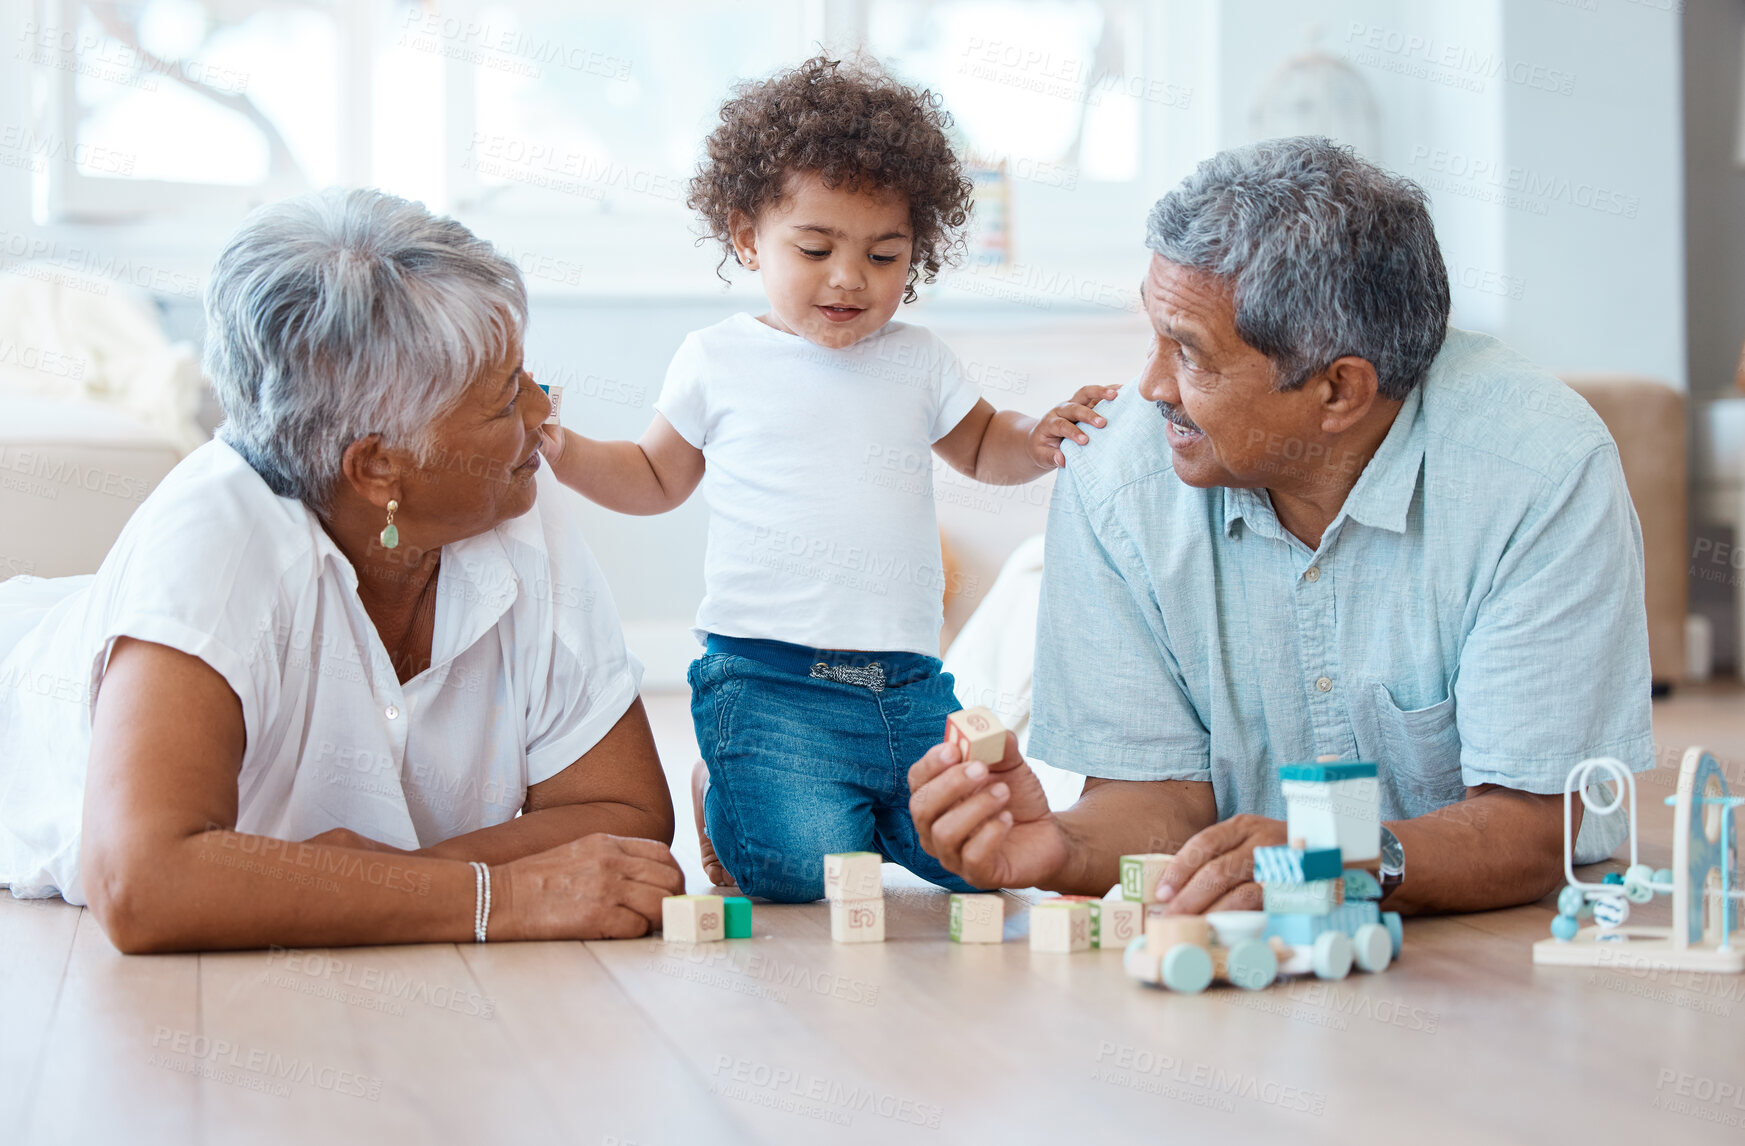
{"x": 570, "y": 126}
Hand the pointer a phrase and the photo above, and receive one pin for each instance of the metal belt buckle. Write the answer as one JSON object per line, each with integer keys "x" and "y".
{"x": 871, "y": 677}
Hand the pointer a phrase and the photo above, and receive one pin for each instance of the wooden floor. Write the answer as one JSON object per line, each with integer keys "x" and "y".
{"x": 788, "y": 1038}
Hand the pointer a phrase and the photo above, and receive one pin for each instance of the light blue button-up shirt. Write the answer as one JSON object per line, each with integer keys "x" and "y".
{"x": 1473, "y": 615}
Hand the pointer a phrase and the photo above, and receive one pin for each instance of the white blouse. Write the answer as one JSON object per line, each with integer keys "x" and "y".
{"x": 528, "y": 669}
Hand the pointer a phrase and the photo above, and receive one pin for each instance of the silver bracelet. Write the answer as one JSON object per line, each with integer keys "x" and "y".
{"x": 481, "y": 900}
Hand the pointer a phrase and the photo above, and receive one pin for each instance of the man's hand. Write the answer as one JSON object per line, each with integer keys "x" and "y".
{"x": 988, "y": 823}
{"x": 1214, "y": 871}
{"x": 1062, "y": 422}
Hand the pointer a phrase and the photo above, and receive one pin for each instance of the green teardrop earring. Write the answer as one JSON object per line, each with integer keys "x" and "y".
{"x": 391, "y": 533}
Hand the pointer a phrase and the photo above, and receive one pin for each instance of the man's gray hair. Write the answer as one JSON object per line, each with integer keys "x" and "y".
{"x": 339, "y": 314}
{"x": 1327, "y": 254}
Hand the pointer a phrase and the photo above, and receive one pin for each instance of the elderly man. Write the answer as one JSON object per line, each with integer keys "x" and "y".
{"x": 1323, "y": 524}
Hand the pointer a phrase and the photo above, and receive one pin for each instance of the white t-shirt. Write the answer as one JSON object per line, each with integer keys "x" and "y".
{"x": 529, "y": 670}
{"x": 819, "y": 478}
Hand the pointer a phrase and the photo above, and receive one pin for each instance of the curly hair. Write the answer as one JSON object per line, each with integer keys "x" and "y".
{"x": 854, "y": 126}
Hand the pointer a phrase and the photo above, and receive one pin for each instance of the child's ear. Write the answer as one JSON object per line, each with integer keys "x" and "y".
{"x": 744, "y": 232}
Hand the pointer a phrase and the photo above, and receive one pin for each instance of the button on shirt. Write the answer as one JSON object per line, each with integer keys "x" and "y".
{"x": 528, "y": 670}
{"x": 1473, "y": 615}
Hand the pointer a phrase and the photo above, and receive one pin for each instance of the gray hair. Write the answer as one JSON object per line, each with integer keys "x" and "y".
{"x": 339, "y": 314}
{"x": 1327, "y": 255}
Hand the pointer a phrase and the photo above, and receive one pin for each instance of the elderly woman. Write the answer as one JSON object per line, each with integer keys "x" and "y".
{"x": 345, "y": 678}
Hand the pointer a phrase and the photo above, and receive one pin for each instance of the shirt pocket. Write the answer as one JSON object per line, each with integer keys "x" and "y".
{"x": 1418, "y": 751}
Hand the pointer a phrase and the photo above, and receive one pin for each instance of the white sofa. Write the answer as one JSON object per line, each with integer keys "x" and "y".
{"x": 96, "y": 406}
{"x": 71, "y": 473}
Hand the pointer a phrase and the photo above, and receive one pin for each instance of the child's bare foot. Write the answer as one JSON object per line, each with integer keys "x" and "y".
{"x": 712, "y": 869}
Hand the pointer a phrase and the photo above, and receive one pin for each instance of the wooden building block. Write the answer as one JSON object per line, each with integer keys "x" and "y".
{"x": 977, "y": 919}
{"x": 692, "y": 919}
{"x": 978, "y": 734}
{"x": 1060, "y": 926}
{"x": 1315, "y": 897}
{"x": 738, "y": 914}
{"x": 853, "y": 875}
{"x": 555, "y": 393}
{"x": 857, "y": 920}
{"x": 1116, "y": 923}
{"x": 1139, "y": 875}
{"x": 1165, "y": 931}
{"x": 1333, "y": 806}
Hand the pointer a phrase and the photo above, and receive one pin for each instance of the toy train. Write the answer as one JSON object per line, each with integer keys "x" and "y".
{"x": 1320, "y": 916}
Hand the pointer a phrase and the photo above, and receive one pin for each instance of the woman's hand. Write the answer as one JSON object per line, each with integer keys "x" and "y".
{"x": 1062, "y": 422}
{"x": 597, "y": 887}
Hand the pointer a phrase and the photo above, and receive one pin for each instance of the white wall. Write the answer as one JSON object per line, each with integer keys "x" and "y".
{"x": 1548, "y": 136}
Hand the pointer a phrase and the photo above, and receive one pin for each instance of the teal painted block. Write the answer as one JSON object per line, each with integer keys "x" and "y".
{"x": 1322, "y": 863}
{"x": 1360, "y": 885}
{"x": 1327, "y": 773}
{"x": 738, "y": 910}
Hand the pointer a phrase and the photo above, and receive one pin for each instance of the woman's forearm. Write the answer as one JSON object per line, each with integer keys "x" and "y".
{"x": 549, "y": 827}
{"x": 221, "y": 889}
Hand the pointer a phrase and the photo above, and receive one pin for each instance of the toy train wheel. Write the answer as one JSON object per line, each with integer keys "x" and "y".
{"x": 1187, "y": 968}
{"x": 1252, "y": 964}
{"x": 1373, "y": 947}
{"x": 1332, "y": 957}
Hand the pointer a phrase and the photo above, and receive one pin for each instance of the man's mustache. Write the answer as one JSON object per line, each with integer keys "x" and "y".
{"x": 1172, "y": 413}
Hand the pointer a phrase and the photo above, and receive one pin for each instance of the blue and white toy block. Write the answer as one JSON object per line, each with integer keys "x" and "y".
{"x": 1295, "y": 865}
{"x": 1333, "y": 805}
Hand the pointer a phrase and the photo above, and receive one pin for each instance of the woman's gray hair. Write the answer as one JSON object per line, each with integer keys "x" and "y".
{"x": 1327, "y": 254}
{"x": 339, "y": 314}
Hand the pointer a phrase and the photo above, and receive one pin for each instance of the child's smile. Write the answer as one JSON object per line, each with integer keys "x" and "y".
{"x": 834, "y": 262}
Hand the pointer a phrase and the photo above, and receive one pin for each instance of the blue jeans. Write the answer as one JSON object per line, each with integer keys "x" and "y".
{"x": 801, "y": 767}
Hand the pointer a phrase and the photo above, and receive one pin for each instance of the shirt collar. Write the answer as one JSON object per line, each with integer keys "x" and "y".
{"x": 1383, "y": 494}
{"x": 1381, "y": 497}
{"x": 476, "y": 584}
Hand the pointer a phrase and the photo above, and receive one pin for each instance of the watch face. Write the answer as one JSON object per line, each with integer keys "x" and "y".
{"x": 1393, "y": 856}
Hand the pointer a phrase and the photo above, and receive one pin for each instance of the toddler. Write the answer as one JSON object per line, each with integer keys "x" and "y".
{"x": 812, "y": 428}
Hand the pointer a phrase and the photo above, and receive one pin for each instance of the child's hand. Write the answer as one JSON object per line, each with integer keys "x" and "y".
{"x": 1062, "y": 422}
{"x": 551, "y": 442}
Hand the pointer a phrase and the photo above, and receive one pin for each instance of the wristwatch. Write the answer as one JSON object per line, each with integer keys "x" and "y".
{"x": 1393, "y": 862}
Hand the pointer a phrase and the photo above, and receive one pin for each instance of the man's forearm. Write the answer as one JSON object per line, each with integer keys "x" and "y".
{"x": 1496, "y": 848}
{"x": 1114, "y": 818}
{"x": 542, "y": 830}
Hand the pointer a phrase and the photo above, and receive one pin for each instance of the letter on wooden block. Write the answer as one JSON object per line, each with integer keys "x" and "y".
{"x": 857, "y": 920}
{"x": 853, "y": 875}
{"x": 977, "y": 919}
{"x": 977, "y": 733}
{"x": 555, "y": 393}
{"x": 1060, "y": 926}
{"x": 692, "y": 919}
{"x": 1116, "y": 922}
{"x": 1139, "y": 875}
